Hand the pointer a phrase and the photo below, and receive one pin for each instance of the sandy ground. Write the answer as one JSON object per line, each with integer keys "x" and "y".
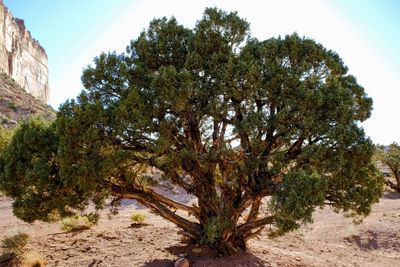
{"x": 332, "y": 240}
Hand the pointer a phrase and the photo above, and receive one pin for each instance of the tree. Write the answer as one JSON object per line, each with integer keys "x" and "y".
{"x": 390, "y": 156}
{"x": 230, "y": 119}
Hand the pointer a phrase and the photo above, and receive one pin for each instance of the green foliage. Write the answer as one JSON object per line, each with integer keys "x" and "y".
{"x": 4, "y": 76}
{"x": 30, "y": 174}
{"x": 5, "y": 138}
{"x": 138, "y": 217}
{"x": 298, "y": 195}
{"x": 213, "y": 230}
{"x": 229, "y": 118}
{"x": 76, "y": 223}
{"x": 12, "y": 105}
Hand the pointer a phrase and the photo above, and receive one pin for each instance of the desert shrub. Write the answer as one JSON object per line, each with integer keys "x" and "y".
{"x": 353, "y": 232}
{"x": 138, "y": 217}
{"x": 31, "y": 258}
{"x": 4, "y": 76}
{"x": 12, "y": 105}
{"x": 18, "y": 252}
{"x": 76, "y": 223}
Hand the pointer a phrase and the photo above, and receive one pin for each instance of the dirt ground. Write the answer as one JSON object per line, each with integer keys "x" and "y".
{"x": 332, "y": 240}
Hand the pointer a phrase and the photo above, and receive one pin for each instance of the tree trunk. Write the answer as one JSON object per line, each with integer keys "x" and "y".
{"x": 393, "y": 185}
{"x": 234, "y": 245}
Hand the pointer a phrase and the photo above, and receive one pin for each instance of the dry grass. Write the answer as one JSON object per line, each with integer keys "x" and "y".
{"x": 31, "y": 258}
{"x": 138, "y": 217}
{"x": 76, "y": 223}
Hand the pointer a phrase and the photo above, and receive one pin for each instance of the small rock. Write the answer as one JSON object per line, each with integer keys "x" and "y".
{"x": 297, "y": 258}
{"x": 196, "y": 250}
{"x": 182, "y": 262}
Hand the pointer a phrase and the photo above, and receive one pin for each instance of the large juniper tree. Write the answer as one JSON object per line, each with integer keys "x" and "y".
{"x": 230, "y": 119}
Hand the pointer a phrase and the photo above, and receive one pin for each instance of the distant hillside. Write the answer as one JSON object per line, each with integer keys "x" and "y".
{"x": 17, "y": 105}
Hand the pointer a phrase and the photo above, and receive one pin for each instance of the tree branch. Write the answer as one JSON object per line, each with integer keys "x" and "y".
{"x": 153, "y": 203}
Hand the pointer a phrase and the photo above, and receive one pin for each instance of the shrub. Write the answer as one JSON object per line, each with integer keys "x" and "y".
{"x": 12, "y": 105}
{"x": 4, "y": 76}
{"x": 17, "y": 252}
{"x": 76, "y": 223}
{"x": 138, "y": 217}
{"x": 31, "y": 258}
{"x": 353, "y": 232}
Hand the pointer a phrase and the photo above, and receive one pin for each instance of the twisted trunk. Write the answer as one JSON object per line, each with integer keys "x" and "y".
{"x": 230, "y": 239}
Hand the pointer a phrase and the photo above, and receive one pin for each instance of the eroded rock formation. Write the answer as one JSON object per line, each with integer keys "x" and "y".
{"x": 22, "y": 57}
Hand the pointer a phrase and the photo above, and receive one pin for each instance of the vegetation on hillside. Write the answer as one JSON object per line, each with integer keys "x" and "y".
{"x": 228, "y": 118}
{"x": 17, "y": 105}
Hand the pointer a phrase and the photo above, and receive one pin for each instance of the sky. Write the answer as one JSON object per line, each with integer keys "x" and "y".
{"x": 365, "y": 34}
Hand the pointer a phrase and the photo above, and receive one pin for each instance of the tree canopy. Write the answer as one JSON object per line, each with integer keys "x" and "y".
{"x": 230, "y": 119}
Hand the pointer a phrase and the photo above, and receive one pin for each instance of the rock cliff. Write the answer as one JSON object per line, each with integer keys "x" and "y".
{"x": 22, "y": 57}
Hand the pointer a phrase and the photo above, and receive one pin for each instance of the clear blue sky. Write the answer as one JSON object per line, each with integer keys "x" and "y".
{"x": 365, "y": 33}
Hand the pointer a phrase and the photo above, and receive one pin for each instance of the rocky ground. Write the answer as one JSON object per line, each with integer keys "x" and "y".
{"x": 332, "y": 240}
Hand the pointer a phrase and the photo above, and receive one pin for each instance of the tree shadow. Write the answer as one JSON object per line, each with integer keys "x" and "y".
{"x": 210, "y": 257}
{"x": 159, "y": 263}
{"x": 391, "y": 195}
{"x": 138, "y": 225}
{"x": 367, "y": 241}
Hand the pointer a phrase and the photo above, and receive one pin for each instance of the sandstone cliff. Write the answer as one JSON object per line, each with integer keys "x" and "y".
{"x": 22, "y": 57}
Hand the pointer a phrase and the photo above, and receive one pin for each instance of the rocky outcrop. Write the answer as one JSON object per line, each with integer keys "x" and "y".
{"x": 22, "y": 57}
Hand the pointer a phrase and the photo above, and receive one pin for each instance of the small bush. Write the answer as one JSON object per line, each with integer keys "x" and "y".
{"x": 76, "y": 223}
{"x": 352, "y": 232}
{"x": 17, "y": 252}
{"x": 12, "y": 105}
{"x": 4, "y": 76}
{"x": 138, "y": 217}
{"x": 31, "y": 259}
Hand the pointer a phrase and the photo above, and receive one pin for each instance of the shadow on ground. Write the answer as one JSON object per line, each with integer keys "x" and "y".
{"x": 208, "y": 257}
{"x": 159, "y": 263}
{"x": 391, "y": 195}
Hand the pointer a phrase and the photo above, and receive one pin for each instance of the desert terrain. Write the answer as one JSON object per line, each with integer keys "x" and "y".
{"x": 332, "y": 240}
